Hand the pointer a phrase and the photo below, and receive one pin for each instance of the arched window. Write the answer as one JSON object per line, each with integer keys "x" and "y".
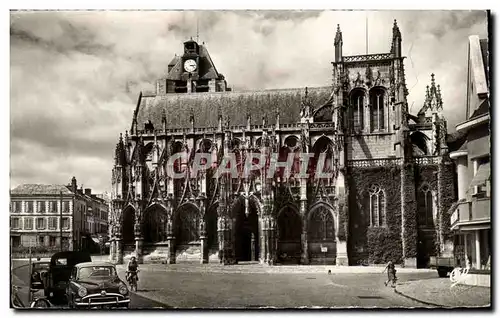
{"x": 357, "y": 107}
{"x": 425, "y": 207}
{"x": 321, "y": 226}
{"x": 377, "y": 122}
{"x": 376, "y": 200}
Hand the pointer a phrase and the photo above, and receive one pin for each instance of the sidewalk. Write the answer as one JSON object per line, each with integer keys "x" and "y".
{"x": 258, "y": 268}
{"x": 438, "y": 292}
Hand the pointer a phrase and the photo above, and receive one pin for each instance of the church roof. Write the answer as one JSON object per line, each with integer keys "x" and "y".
{"x": 233, "y": 106}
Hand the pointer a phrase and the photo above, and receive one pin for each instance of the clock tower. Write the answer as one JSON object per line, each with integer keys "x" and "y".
{"x": 192, "y": 72}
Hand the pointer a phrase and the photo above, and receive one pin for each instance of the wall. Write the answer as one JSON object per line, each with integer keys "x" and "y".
{"x": 370, "y": 146}
{"x": 367, "y": 244}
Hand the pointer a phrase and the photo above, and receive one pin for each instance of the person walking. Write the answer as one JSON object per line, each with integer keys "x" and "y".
{"x": 391, "y": 274}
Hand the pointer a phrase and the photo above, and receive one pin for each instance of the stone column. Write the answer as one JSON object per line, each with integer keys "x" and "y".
{"x": 462, "y": 173}
{"x": 304, "y": 258}
{"x": 58, "y": 241}
{"x": 252, "y": 254}
{"x": 170, "y": 241}
{"x": 263, "y": 239}
{"x": 138, "y": 242}
{"x": 478, "y": 248}
{"x": 341, "y": 235}
{"x": 119, "y": 250}
{"x": 111, "y": 250}
{"x": 204, "y": 247}
{"x": 271, "y": 242}
{"x": 46, "y": 241}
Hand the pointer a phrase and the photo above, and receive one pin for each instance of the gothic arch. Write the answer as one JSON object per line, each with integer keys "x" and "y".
{"x": 421, "y": 141}
{"x": 187, "y": 223}
{"x": 324, "y": 113}
{"x": 323, "y": 145}
{"x": 128, "y": 224}
{"x": 289, "y": 224}
{"x": 318, "y": 205}
{"x": 378, "y": 109}
{"x": 357, "y": 101}
{"x": 204, "y": 145}
{"x": 426, "y": 203}
{"x": 322, "y": 229}
{"x": 211, "y": 216}
{"x": 154, "y": 223}
{"x": 246, "y": 229}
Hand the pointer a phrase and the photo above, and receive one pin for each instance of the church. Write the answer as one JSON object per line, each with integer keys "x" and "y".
{"x": 388, "y": 196}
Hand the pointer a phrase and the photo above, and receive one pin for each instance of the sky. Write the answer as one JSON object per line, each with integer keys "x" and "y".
{"x": 75, "y": 76}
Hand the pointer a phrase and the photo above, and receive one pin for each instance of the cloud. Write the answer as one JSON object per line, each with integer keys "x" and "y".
{"x": 75, "y": 76}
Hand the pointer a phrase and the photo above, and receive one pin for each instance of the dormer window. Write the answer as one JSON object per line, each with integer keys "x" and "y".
{"x": 191, "y": 47}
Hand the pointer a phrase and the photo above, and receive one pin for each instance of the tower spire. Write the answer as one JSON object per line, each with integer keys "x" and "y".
{"x": 197, "y": 29}
{"x": 338, "y": 44}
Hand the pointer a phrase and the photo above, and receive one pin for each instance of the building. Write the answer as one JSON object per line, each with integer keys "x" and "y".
{"x": 36, "y": 218}
{"x": 96, "y": 219}
{"x": 471, "y": 215}
{"x": 387, "y": 196}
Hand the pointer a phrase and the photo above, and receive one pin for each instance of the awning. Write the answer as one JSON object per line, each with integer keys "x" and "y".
{"x": 482, "y": 175}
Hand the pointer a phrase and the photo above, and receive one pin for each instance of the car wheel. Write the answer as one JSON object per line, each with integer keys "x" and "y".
{"x": 442, "y": 273}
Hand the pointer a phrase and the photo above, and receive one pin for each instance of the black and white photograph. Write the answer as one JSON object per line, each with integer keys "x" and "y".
{"x": 249, "y": 159}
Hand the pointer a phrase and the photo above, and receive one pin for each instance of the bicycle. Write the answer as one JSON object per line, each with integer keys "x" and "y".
{"x": 132, "y": 280}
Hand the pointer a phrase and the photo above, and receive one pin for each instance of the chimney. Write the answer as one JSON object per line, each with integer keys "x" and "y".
{"x": 73, "y": 185}
{"x": 88, "y": 192}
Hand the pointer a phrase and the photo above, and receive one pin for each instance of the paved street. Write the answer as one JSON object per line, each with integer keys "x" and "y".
{"x": 253, "y": 286}
{"x": 440, "y": 292}
{"x": 282, "y": 290}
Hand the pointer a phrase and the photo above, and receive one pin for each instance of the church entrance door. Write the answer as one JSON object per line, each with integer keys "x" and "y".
{"x": 247, "y": 236}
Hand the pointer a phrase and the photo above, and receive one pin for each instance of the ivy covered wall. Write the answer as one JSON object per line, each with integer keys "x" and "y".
{"x": 374, "y": 245}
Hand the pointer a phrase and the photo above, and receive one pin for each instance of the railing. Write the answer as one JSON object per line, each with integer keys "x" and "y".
{"x": 471, "y": 211}
{"x": 320, "y": 125}
{"x": 427, "y": 160}
{"x": 369, "y": 57}
{"x": 375, "y": 162}
{"x": 420, "y": 126}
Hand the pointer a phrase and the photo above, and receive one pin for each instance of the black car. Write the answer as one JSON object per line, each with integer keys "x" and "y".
{"x": 39, "y": 275}
{"x": 61, "y": 265}
{"x": 96, "y": 285}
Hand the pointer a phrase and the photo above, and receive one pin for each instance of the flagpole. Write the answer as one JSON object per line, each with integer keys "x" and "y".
{"x": 366, "y": 24}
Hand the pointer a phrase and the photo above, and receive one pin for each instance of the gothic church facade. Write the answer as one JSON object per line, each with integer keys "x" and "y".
{"x": 388, "y": 196}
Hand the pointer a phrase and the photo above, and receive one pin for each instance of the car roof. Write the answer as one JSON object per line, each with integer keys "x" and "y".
{"x": 88, "y": 264}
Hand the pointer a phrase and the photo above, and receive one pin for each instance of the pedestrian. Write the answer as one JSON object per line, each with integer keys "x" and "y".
{"x": 391, "y": 274}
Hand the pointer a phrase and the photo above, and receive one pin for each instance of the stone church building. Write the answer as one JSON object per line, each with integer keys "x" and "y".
{"x": 388, "y": 198}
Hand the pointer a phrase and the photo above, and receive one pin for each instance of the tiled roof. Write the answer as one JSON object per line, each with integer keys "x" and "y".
{"x": 40, "y": 189}
{"x": 235, "y": 105}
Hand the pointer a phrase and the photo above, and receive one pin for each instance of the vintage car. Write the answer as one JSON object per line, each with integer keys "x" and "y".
{"x": 96, "y": 285}
{"x": 39, "y": 275}
{"x": 61, "y": 265}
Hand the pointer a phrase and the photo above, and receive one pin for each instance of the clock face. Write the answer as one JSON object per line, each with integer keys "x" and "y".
{"x": 190, "y": 65}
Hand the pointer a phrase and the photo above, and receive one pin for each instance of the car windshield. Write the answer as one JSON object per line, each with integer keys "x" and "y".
{"x": 96, "y": 272}
{"x": 41, "y": 266}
